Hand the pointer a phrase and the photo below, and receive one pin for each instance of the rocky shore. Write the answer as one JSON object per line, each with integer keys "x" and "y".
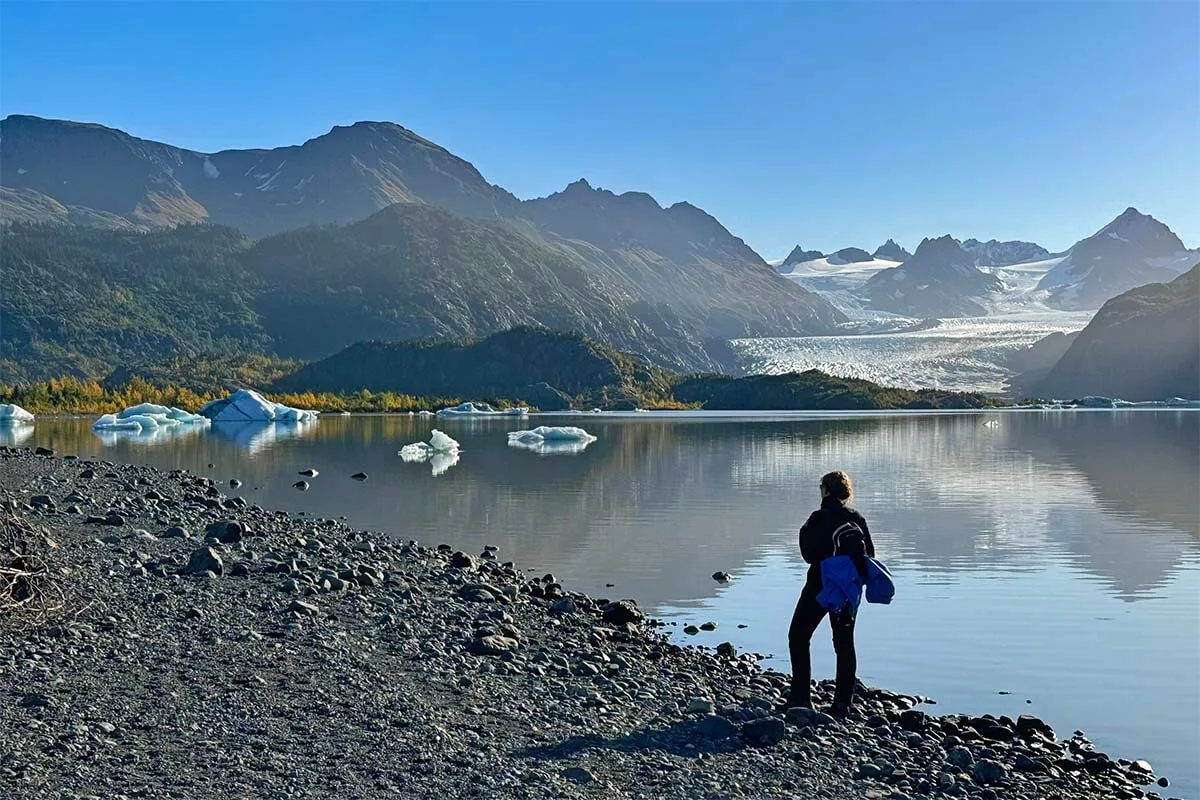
{"x": 211, "y": 648}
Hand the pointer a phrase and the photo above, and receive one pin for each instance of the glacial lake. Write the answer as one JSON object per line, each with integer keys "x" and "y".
{"x": 1046, "y": 562}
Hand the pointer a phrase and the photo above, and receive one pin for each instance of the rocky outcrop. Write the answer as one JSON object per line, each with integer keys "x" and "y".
{"x": 1141, "y": 345}
{"x": 940, "y": 280}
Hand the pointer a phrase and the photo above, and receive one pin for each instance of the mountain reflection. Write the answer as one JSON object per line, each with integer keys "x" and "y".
{"x": 656, "y": 505}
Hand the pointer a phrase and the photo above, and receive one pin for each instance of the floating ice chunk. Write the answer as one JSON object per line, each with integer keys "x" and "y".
{"x": 992, "y": 423}
{"x": 481, "y": 410}
{"x": 424, "y": 413}
{"x": 13, "y": 414}
{"x": 147, "y": 417}
{"x": 552, "y": 440}
{"x": 247, "y": 405}
{"x": 441, "y": 452}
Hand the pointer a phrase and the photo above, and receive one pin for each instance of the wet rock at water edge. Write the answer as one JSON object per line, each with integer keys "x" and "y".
{"x": 301, "y": 485}
{"x": 309, "y": 473}
{"x": 721, "y": 576}
{"x": 709, "y": 626}
{"x": 234, "y": 483}
{"x": 623, "y": 611}
{"x": 359, "y": 476}
{"x": 726, "y": 649}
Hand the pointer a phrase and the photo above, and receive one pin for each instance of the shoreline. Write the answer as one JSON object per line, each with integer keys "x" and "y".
{"x": 323, "y": 655}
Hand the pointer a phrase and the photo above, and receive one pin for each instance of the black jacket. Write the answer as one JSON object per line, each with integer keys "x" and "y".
{"x": 816, "y": 537}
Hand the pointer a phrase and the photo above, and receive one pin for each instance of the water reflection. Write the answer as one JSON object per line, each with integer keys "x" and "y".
{"x": 110, "y": 437}
{"x": 254, "y": 437}
{"x": 14, "y": 434}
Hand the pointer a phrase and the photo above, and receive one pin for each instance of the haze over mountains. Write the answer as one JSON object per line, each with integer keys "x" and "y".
{"x": 430, "y": 249}
{"x": 371, "y": 232}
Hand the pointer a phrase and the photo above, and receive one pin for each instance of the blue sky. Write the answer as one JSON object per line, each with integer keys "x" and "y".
{"x": 825, "y": 124}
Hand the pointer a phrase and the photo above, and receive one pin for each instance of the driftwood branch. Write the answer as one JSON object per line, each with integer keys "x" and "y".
{"x": 31, "y": 585}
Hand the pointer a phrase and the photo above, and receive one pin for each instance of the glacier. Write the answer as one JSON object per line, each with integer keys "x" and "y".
{"x": 481, "y": 410}
{"x": 547, "y": 440}
{"x": 247, "y": 405}
{"x": 13, "y": 414}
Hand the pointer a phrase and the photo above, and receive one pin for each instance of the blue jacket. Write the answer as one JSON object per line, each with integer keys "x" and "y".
{"x": 842, "y": 584}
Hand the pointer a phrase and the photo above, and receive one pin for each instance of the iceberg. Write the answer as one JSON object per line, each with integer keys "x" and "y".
{"x": 481, "y": 410}
{"x": 13, "y": 414}
{"x": 441, "y": 452}
{"x": 247, "y": 405}
{"x": 546, "y": 440}
{"x": 147, "y": 417}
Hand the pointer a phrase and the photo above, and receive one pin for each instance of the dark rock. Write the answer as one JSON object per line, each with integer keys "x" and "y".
{"x": 359, "y": 476}
{"x": 765, "y": 731}
{"x": 174, "y": 532}
{"x": 303, "y": 608}
{"x": 726, "y": 649}
{"x": 708, "y": 626}
{"x": 914, "y": 720}
{"x": 461, "y": 560}
{"x": 997, "y": 733}
{"x": 691, "y": 630}
{"x": 960, "y": 757}
{"x": 800, "y": 716}
{"x": 478, "y": 593}
{"x": 716, "y": 727}
{"x": 225, "y": 531}
{"x": 309, "y": 473}
{"x": 564, "y": 605}
{"x": 204, "y": 560}
{"x": 301, "y": 485}
{"x": 42, "y": 501}
{"x": 721, "y": 576}
{"x": 1027, "y": 725}
{"x": 988, "y": 771}
{"x": 493, "y": 645}
{"x": 869, "y": 771}
{"x": 623, "y": 611}
{"x": 87, "y": 474}
{"x": 43, "y": 451}
{"x": 234, "y": 483}
{"x": 577, "y": 775}
{"x": 116, "y": 520}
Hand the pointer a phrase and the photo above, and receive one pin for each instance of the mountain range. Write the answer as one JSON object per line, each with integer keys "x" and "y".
{"x": 940, "y": 280}
{"x": 1133, "y": 250}
{"x": 422, "y": 245}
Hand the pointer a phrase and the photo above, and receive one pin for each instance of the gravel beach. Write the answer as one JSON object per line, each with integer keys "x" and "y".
{"x": 210, "y": 648}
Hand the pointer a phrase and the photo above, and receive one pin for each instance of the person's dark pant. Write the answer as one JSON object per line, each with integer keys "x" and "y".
{"x": 807, "y": 617}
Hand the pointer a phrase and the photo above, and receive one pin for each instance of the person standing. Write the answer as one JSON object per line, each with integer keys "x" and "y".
{"x": 833, "y": 529}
